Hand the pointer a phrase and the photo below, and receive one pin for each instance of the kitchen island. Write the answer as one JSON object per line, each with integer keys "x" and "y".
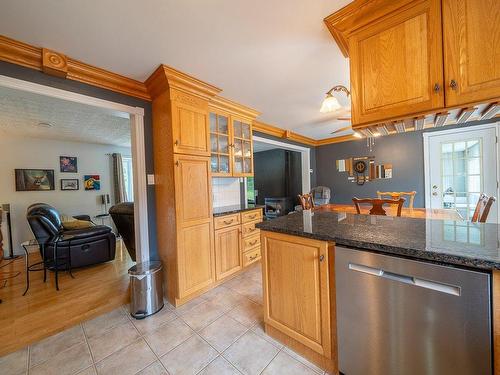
{"x": 376, "y": 291}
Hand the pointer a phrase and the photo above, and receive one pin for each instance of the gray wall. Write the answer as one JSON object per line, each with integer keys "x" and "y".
{"x": 404, "y": 151}
{"x": 312, "y": 152}
{"x": 35, "y": 76}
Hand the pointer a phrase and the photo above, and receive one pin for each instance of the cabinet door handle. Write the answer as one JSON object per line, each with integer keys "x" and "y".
{"x": 253, "y": 242}
{"x": 321, "y": 258}
{"x": 254, "y": 257}
{"x": 437, "y": 88}
{"x": 227, "y": 222}
{"x": 453, "y": 84}
{"x": 177, "y": 163}
{"x": 252, "y": 217}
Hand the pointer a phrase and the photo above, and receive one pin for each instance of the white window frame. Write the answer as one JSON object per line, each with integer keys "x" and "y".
{"x": 136, "y": 115}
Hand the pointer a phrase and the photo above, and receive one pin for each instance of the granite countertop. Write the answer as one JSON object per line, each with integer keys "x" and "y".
{"x": 234, "y": 209}
{"x": 447, "y": 242}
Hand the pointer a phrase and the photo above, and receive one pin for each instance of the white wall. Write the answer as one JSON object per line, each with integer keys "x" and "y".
{"x": 21, "y": 152}
{"x": 225, "y": 191}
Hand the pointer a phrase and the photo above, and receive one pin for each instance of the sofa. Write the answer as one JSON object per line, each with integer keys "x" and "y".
{"x": 93, "y": 245}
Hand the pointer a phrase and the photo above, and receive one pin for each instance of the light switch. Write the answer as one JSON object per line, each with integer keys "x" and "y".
{"x": 151, "y": 179}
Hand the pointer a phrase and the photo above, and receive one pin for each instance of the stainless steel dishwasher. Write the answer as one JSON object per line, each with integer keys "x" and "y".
{"x": 402, "y": 317}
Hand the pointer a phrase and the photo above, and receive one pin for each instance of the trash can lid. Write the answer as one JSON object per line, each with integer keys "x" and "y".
{"x": 145, "y": 268}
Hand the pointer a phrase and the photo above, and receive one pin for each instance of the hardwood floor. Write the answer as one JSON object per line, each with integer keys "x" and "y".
{"x": 45, "y": 311}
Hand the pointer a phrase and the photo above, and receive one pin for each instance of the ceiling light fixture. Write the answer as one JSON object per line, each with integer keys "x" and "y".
{"x": 357, "y": 135}
{"x": 330, "y": 103}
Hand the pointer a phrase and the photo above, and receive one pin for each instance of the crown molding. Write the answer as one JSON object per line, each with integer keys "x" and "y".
{"x": 19, "y": 53}
{"x": 166, "y": 77}
{"x": 328, "y": 141}
{"x": 281, "y": 133}
{"x": 223, "y": 104}
{"x": 356, "y": 14}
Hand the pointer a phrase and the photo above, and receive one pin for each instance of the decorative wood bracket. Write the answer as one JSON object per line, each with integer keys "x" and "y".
{"x": 54, "y": 63}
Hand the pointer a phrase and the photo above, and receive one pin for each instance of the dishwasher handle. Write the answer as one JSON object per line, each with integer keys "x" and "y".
{"x": 406, "y": 279}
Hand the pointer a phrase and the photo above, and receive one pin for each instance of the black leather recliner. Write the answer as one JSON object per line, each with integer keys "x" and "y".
{"x": 93, "y": 245}
{"x": 123, "y": 217}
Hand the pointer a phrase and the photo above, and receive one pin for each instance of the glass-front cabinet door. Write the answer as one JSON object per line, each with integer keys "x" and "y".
{"x": 242, "y": 148}
{"x": 220, "y": 145}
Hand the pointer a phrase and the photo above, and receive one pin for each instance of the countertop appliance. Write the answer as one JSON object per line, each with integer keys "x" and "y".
{"x": 397, "y": 316}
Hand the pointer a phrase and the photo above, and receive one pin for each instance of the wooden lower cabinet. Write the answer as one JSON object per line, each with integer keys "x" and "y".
{"x": 299, "y": 304}
{"x": 228, "y": 258}
{"x": 196, "y": 263}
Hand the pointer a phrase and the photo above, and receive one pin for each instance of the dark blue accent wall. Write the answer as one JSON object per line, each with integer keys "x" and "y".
{"x": 31, "y": 75}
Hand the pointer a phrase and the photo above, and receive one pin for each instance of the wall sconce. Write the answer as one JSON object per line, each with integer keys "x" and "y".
{"x": 330, "y": 103}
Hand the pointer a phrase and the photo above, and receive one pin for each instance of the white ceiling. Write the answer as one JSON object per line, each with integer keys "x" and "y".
{"x": 276, "y": 56}
{"x": 21, "y": 112}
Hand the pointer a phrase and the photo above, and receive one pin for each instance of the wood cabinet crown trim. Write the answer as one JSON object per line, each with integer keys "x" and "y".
{"x": 218, "y": 103}
{"x": 15, "y": 52}
{"x": 166, "y": 77}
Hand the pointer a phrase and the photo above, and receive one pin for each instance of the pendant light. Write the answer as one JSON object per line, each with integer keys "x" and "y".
{"x": 331, "y": 103}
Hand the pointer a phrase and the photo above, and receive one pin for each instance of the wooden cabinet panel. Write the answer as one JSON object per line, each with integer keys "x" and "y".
{"x": 296, "y": 289}
{"x": 471, "y": 33}
{"x": 195, "y": 258}
{"x": 226, "y": 221}
{"x": 396, "y": 64}
{"x": 228, "y": 258}
{"x": 190, "y": 129}
{"x": 193, "y": 189}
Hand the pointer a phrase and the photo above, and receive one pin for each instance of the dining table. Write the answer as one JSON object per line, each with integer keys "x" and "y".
{"x": 419, "y": 213}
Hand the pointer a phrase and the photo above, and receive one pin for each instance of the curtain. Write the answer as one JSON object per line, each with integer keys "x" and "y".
{"x": 119, "y": 191}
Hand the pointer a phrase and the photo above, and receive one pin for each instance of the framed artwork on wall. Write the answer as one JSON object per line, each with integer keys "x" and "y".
{"x": 70, "y": 184}
{"x": 92, "y": 182}
{"x": 68, "y": 164}
{"x": 34, "y": 179}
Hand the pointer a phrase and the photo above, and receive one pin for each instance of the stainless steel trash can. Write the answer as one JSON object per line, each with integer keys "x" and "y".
{"x": 146, "y": 289}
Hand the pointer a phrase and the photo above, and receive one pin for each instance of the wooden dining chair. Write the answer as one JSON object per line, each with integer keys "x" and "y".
{"x": 377, "y": 205}
{"x": 394, "y": 195}
{"x": 306, "y": 201}
{"x": 482, "y": 209}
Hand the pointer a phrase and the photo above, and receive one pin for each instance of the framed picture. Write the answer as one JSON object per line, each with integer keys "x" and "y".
{"x": 92, "y": 182}
{"x": 34, "y": 179}
{"x": 69, "y": 184}
{"x": 68, "y": 164}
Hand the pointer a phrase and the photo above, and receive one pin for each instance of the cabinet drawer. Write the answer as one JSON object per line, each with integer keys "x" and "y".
{"x": 255, "y": 215}
{"x": 226, "y": 221}
{"x": 249, "y": 229}
{"x": 251, "y": 242}
{"x": 251, "y": 256}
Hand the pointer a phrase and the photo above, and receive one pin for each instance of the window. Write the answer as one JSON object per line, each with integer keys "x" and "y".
{"x": 128, "y": 178}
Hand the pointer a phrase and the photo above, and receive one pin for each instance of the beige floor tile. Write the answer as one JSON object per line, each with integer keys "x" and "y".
{"x": 189, "y": 357}
{"x": 223, "y": 332}
{"x": 250, "y": 354}
{"x": 251, "y": 290}
{"x": 66, "y": 362}
{"x": 127, "y": 361}
{"x": 153, "y": 322}
{"x": 154, "y": 369}
{"x": 285, "y": 364}
{"x": 303, "y": 360}
{"x": 15, "y": 363}
{"x": 88, "y": 371}
{"x": 97, "y": 326}
{"x": 169, "y": 336}
{"x": 259, "y": 330}
{"x": 247, "y": 313}
{"x": 203, "y": 314}
{"x": 49, "y": 347}
{"x": 235, "y": 281}
{"x": 112, "y": 340}
{"x": 226, "y": 297}
{"x": 219, "y": 366}
{"x": 188, "y": 305}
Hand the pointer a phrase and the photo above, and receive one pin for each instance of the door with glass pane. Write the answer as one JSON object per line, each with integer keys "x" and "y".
{"x": 242, "y": 148}
{"x": 462, "y": 165}
{"x": 220, "y": 145}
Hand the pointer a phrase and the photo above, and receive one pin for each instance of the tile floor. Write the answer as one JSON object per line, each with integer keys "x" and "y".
{"x": 219, "y": 333}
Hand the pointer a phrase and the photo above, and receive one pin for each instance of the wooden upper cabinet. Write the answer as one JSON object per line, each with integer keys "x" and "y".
{"x": 193, "y": 189}
{"x": 228, "y": 259}
{"x": 220, "y": 144}
{"x": 471, "y": 32}
{"x": 190, "y": 129}
{"x": 396, "y": 64}
{"x": 242, "y": 148}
